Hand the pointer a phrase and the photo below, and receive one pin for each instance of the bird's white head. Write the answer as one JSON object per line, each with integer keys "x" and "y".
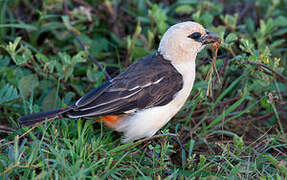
{"x": 184, "y": 40}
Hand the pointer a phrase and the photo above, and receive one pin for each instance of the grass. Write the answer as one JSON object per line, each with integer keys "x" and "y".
{"x": 238, "y": 133}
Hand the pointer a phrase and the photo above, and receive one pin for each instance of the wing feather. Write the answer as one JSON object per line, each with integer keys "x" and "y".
{"x": 152, "y": 81}
{"x": 93, "y": 94}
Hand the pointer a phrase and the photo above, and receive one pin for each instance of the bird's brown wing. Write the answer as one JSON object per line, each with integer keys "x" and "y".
{"x": 152, "y": 81}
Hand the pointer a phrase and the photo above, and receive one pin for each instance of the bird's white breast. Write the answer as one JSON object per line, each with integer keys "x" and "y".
{"x": 146, "y": 123}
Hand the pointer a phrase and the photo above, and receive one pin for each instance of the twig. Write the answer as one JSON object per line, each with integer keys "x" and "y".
{"x": 265, "y": 116}
{"x": 208, "y": 78}
{"x": 277, "y": 74}
{"x": 213, "y": 68}
{"x": 82, "y": 44}
{"x": 248, "y": 4}
{"x": 19, "y": 166}
{"x": 216, "y": 46}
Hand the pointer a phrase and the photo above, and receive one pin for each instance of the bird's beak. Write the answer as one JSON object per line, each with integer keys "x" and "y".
{"x": 210, "y": 37}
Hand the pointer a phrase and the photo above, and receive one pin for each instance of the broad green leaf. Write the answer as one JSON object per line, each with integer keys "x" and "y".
{"x": 184, "y": 9}
{"x": 27, "y": 83}
{"x": 93, "y": 75}
{"x": 231, "y": 37}
{"x": 68, "y": 97}
{"x": 49, "y": 100}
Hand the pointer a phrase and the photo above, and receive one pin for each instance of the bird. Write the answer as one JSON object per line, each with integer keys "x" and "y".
{"x": 148, "y": 93}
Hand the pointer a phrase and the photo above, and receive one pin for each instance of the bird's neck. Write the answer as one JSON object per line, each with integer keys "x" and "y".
{"x": 183, "y": 62}
{"x": 186, "y": 67}
{"x": 177, "y": 54}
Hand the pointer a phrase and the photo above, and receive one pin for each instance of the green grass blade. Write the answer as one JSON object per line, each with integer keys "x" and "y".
{"x": 21, "y": 26}
{"x": 228, "y": 110}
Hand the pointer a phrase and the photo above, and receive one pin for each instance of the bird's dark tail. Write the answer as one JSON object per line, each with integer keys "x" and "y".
{"x": 32, "y": 119}
{"x": 5, "y": 129}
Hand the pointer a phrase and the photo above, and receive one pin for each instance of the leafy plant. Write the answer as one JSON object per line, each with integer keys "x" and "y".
{"x": 45, "y": 63}
{"x": 7, "y": 94}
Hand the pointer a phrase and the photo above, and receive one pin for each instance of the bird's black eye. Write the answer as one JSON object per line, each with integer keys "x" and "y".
{"x": 195, "y": 35}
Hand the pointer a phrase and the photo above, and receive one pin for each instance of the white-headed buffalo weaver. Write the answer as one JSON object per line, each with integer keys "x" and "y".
{"x": 144, "y": 97}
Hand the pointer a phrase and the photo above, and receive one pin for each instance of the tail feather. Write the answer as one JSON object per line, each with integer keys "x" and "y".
{"x": 6, "y": 129}
{"x": 42, "y": 116}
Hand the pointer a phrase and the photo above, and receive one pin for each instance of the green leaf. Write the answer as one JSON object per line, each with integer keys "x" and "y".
{"x": 21, "y": 26}
{"x": 250, "y": 25}
{"x": 201, "y": 161}
{"x": 68, "y": 72}
{"x": 278, "y": 164}
{"x": 227, "y": 90}
{"x": 7, "y": 94}
{"x": 20, "y": 55}
{"x": 66, "y": 22}
{"x": 280, "y": 32}
{"x": 80, "y": 57}
{"x": 231, "y": 37}
{"x": 99, "y": 45}
{"x": 4, "y": 61}
{"x": 184, "y": 9}
{"x": 68, "y": 97}
{"x": 276, "y": 43}
{"x": 206, "y": 18}
{"x": 93, "y": 75}
{"x": 42, "y": 57}
{"x": 238, "y": 142}
{"x": 49, "y": 100}
{"x": 227, "y": 111}
{"x": 246, "y": 45}
{"x": 159, "y": 16}
{"x": 11, "y": 47}
{"x": 265, "y": 104}
{"x": 122, "y": 147}
{"x": 27, "y": 83}
{"x": 25, "y": 56}
{"x": 65, "y": 58}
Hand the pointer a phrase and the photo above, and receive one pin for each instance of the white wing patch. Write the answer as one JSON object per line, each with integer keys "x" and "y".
{"x": 108, "y": 102}
{"x": 146, "y": 85}
{"x": 76, "y": 104}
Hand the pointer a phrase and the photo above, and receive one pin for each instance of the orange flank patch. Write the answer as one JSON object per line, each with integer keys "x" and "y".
{"x": 110, "y": 121}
